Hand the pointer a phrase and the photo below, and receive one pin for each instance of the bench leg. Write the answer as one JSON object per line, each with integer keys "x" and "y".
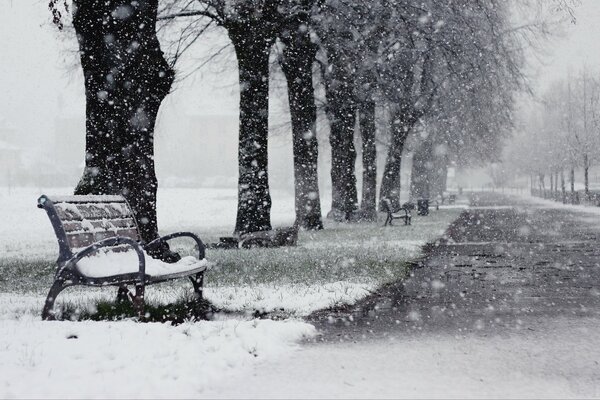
{"x": 388, "y": 221}
{"x": 198, "y": 282}
{"x": 123, "y": 295}
{"x": 48, "y": 311}
{"x": 138, "y": 300}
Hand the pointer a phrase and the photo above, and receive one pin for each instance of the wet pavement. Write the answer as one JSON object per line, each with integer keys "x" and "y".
{"x": 506, "y": 264}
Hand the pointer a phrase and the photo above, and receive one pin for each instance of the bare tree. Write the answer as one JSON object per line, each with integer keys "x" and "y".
{"x": 126, "y": 80}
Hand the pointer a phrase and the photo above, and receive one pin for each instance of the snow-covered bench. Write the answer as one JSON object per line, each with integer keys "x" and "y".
{"x": 99, "y": 245}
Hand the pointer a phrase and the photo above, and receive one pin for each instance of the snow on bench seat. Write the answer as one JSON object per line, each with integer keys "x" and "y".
{"x": 105, "y": 264}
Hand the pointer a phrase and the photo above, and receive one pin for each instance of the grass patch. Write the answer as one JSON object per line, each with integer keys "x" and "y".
{"x": 341, "y": 252}
{"x": 183, "y": 310}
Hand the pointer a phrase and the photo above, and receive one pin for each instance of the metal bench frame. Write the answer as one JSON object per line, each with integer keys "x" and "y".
{"x": 68, "y": 275}
{"x": 387, "y": 207}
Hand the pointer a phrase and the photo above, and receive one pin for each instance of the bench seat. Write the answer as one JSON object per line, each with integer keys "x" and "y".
{"x": 107, "y": 264}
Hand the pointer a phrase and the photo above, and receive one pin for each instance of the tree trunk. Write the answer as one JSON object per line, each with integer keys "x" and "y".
{"x": 572, "y": 180}
{"x": 422, "y": 174}
{"x": 562, "y": 185}
{"x": 402, "y": 124}
{"x": 552, "y": 183}
{"x": 126, "y": 79}
{"x": 586, "y": 175}
{"x": 297, "y": 62}
{"x": 369, "y": 159}
{"x": 254, "y": 199}
{"x": 341, "y": 111}
{"x": 443, "y": 176}
{"x": 531, "y": 184}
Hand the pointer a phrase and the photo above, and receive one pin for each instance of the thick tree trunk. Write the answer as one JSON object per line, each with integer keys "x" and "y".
{"x": 254, "y": 199}
{"x": 421, "y": 181}
{"x": 390, "y": 183}
{"x": 341, "y": 111}
{"x": 126, "y": 79}
{"x": 297, "y": 62}
{"x": 368, "y": 204}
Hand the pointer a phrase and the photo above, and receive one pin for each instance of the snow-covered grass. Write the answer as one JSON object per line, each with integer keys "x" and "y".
{"x": 340, "y": 264}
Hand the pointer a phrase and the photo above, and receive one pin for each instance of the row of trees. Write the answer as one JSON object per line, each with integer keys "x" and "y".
{"x": 563, "y": 133}
{"x": 445, "y": 72}
{"x": 422, "y": 62}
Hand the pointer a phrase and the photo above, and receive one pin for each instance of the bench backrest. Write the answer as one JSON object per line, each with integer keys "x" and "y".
{"x": 387, "y": 206}
{"x": 80, "y": 221}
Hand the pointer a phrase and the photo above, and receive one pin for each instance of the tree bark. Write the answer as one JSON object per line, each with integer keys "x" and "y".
{"x": 252, "y": 49}
{"x": 297, "y": 63}
{"x": 586, "y": 175}
{"x": 562, "y": 185}
{"x": 422, "y": 175}
{"x": 402, "y": 124}
{"x": 341, "y": 111}
{"x": 572, "y": 180}
{"x": 126, "y": 79}
{"x": 368, "y": 205}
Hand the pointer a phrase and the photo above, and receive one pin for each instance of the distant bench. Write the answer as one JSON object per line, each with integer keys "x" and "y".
{"x": 99, "y": 245}
{"x": 404, "y": 213}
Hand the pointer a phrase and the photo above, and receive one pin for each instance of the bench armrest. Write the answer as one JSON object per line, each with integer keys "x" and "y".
{"x": 194, "y": 237}
{"x": 109, "y": 242}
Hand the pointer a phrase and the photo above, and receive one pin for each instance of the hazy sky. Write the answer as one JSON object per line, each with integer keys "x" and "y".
{"x": 35, "y": 84}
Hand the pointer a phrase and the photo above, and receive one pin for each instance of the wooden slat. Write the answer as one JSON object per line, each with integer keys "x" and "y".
{"x": 98, "y": 225}
{"x": 91, "y": 211}
{"x": 88, "y": 199}
{"x": 80, "y": 240}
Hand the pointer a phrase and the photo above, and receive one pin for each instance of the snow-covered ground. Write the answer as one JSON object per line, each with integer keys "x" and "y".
{"x": 558, "y": 359}
{"x": 127, "y": 359}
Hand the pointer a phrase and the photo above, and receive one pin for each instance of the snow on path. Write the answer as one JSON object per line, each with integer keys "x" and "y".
{"x": 558, "y": 358}
{"x": 127, "y": 359}
{"x": 545, "y": 203}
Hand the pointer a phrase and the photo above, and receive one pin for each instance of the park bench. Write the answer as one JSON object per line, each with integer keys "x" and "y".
{"x": 403, "y": 213}
{"x": 452, "y": 199}
{"x": 99, "y": 245}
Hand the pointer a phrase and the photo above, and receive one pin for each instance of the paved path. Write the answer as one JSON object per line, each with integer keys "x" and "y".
{"x": 504, "y": 264}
